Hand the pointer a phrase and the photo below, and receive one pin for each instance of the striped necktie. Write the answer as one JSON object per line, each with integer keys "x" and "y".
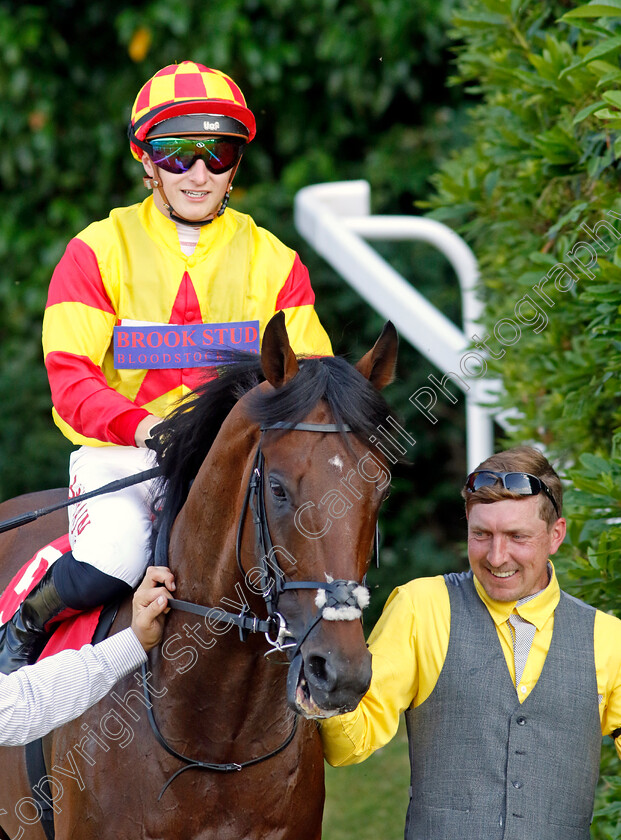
{"x": 523, "y": 633}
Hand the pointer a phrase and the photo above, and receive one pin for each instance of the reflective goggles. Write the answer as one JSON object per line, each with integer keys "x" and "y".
{"x": 178, "y": 154}
{"x": 522, "y": 483}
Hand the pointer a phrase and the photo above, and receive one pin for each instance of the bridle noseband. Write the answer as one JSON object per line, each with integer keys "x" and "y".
{"x": 335, "y": 600}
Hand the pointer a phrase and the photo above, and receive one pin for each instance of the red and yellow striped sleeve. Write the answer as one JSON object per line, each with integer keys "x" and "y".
{"x": 297, "y": 299}
{"x": 77, "y": 331}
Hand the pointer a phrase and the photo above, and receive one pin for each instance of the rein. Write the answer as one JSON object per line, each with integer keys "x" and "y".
{"x": 194, "y": 764}
{"x": 112, "y": 487}
{"x": 339, "y": 595}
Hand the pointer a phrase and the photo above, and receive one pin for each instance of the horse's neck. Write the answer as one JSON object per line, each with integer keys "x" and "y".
{"x": 217, "y": 669}
{"x": 202, "y": 549}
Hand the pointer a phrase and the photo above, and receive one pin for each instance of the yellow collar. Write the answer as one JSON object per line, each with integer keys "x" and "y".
{"x": 163, "y": 231}
{"x": 538, "y": 610}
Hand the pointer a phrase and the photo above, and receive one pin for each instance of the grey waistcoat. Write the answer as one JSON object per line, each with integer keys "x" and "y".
{"x": 484, "y": 766}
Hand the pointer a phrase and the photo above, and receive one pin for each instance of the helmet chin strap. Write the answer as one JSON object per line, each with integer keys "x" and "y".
{"x": 155, "y": 183}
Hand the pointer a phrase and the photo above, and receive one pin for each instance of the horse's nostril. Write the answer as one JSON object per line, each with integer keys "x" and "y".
{"x": 320, "y": 673}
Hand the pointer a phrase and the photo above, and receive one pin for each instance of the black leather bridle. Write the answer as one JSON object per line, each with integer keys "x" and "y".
{"x": 339, "y": 594}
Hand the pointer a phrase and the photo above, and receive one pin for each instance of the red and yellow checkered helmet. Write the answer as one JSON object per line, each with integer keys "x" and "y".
{"x": 182, "y": 89}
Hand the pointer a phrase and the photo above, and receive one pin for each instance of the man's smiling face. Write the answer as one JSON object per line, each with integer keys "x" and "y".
{"x": 509, "y": 545}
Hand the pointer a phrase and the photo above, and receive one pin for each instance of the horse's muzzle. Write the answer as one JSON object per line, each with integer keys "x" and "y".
{"x": 321, "y": 686}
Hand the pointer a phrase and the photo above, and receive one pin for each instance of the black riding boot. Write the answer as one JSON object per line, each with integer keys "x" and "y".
{"x": 23, "y": 637}
{"x": 68, "y": 585}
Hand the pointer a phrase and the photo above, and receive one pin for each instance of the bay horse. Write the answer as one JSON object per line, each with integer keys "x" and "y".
{"x": 274, "y": 489}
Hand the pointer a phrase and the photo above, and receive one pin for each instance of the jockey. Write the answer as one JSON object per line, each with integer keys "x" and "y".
{"x": 136, "y": 307}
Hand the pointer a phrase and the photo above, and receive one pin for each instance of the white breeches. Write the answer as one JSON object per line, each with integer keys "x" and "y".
{"x": 111, "y": 531}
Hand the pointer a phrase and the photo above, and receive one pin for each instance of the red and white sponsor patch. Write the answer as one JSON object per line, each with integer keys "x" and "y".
{"x": 29, "y": 575}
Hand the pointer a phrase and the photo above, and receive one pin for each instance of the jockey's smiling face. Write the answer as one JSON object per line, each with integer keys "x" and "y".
{"x": 196, "y": 194}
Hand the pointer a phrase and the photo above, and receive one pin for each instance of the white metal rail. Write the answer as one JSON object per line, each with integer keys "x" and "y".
{"x": 335, "y": 220}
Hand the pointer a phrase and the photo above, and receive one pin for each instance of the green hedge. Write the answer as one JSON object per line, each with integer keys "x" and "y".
{"x": 536, "y": 193}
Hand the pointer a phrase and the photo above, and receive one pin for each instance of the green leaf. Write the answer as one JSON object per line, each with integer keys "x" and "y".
{"x": 594, "y": 463}
{"x": 586, "y": 112}
{"x": 609, "y": 77}
{"x": 480, "y": 17}
{"x": 595, "y": 10}
{"x": 613, "y": 97}
{"x": 608, "y": 46}
{"x": 607, "y": 114}
{"x": 593, "y": 559}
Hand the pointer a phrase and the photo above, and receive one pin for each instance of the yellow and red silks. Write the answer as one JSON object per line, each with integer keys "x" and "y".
{"x": 128, "y": 269}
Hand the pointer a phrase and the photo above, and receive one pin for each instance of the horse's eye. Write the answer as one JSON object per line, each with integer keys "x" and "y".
{"x": 278, "y": 491}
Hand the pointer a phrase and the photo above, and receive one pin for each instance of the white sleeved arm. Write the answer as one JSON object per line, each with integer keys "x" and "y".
{"x": 40, "y": 697}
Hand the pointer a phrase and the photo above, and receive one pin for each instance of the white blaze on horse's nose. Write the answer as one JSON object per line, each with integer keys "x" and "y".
{"x": 337, "y": 462}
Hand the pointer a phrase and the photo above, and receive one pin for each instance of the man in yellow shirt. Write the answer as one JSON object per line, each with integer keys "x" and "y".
{"x": 141, "y": 307}
{"x": 507, "y": 683}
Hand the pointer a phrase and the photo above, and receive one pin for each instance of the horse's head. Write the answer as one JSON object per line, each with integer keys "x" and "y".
{"x": 280, "y": 457}
{"x": 317, "y": 487}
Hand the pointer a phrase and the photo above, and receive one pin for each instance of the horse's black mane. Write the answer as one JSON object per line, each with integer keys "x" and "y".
{"x": 186, "y": 436}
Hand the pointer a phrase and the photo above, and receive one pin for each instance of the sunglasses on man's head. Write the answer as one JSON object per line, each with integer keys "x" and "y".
{"x": 521, "y": 483}
{"x": 178, "y": 154}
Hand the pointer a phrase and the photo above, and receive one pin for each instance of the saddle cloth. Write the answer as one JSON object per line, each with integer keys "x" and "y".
{"x": 71, "y": 633}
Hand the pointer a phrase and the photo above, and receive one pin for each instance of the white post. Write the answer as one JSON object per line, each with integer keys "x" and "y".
{"x": 335, "y": 219}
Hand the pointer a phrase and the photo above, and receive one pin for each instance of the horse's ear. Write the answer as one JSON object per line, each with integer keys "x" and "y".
{"x": 277, "y": 358}
{"x": 378, "y": 365}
